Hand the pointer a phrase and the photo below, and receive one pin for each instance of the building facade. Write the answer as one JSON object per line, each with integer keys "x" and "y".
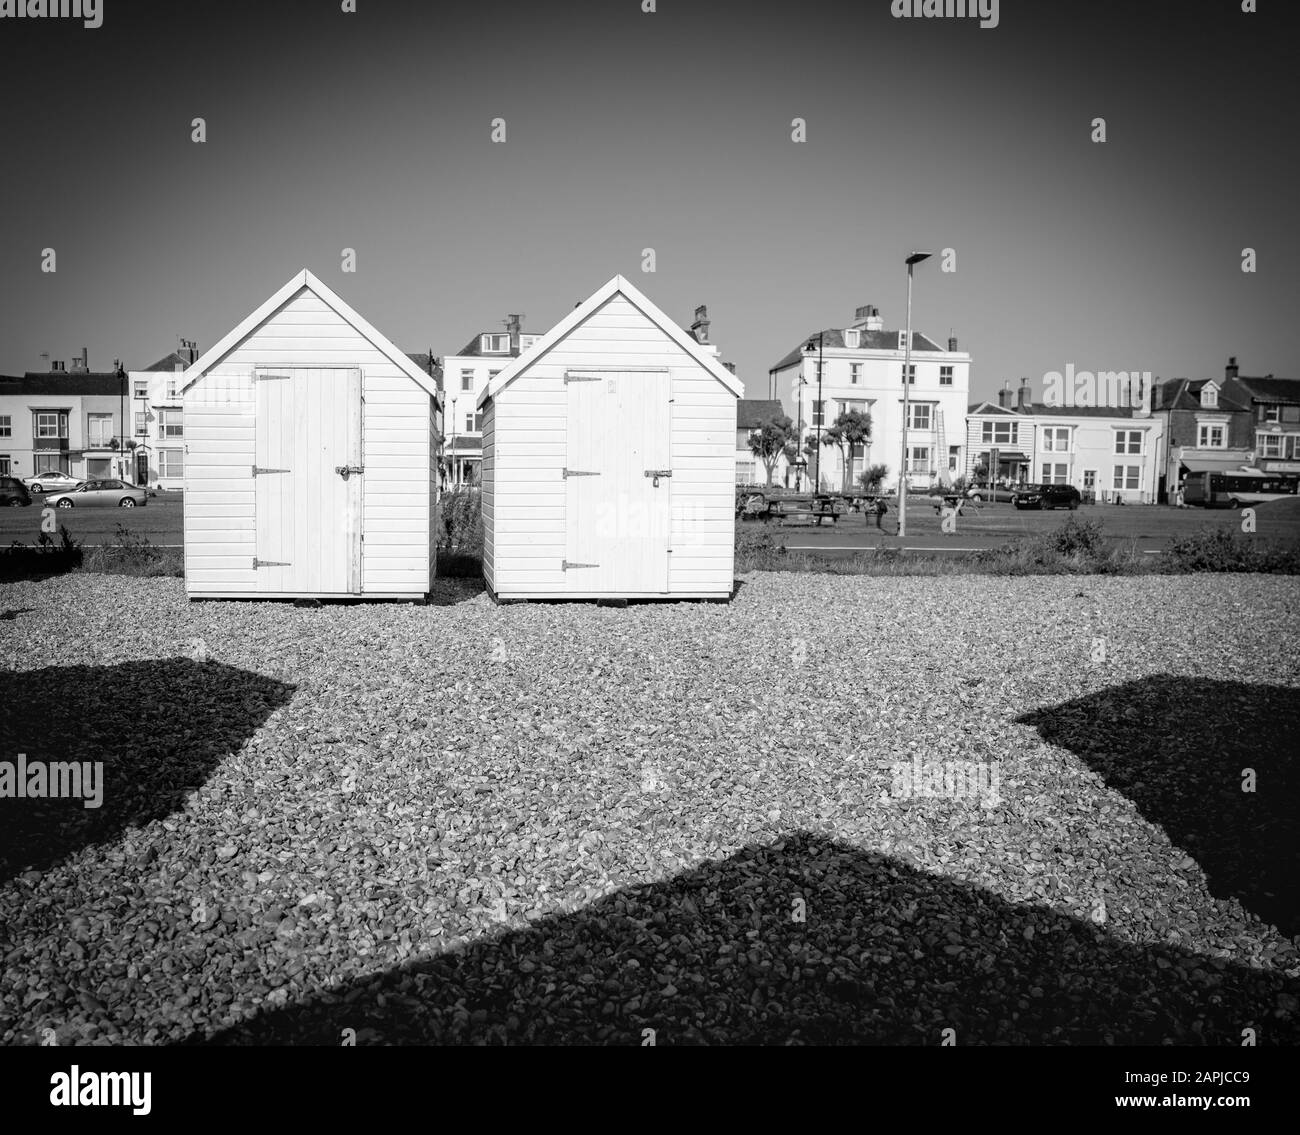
{"x": 158, "y": 420}
{"x": 1110, "y": 454}
{"x": 862, "y": 369}
{"x": 66, "y": 419}
{"x": 465, "y": 376}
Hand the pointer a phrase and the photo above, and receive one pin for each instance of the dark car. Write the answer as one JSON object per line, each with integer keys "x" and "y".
{"x": 14, "y": 493}
{"x": 1046, "y": 496}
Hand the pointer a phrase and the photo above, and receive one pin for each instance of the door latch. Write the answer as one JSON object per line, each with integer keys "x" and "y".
{"x": 657, "y": 473}
{"x": 345, "y": 471}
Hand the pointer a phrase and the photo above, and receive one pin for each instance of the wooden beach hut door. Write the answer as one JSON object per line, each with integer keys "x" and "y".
{"x": 618, "y": 482}
{"x": 308, "y": 480}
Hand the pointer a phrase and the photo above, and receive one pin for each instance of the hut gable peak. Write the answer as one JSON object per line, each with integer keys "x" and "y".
{"x": 619, "y": 285}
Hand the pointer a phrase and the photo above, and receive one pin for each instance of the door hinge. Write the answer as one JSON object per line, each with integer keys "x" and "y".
{"x": 345, "y": 471}
{"x": 583, "y": 378}
{"x": 581, "y": 473}
{"x": 268, "y": 563}
{"x": 565, "y": 565}
{"x": 272, "y": 378}
{"x": 657, "y": 473}
{"x": 258, "y": 469}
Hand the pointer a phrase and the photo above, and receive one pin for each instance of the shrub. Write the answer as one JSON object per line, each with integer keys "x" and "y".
{"x": 460, "y": 521}
{"x": 132, "y": 554}
{"x": 23, "y": 561}
{"x": 758, "y": 548}
{"x": 1220, "y": 549}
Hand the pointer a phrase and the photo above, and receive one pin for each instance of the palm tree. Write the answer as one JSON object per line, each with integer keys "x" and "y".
{"x": 851, "y": 429}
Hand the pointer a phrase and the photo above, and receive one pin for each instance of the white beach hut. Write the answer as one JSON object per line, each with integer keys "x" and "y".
{"x": 609, "y": 460}
{"x": 310, "y": 457}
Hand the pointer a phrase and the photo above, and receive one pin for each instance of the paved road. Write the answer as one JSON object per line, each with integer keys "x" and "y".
{"x": 1149, "y": 526}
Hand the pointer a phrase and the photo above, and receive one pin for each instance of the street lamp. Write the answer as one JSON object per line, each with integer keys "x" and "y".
{"x": 820, "y": 412}
{"x": 912, "y": 260}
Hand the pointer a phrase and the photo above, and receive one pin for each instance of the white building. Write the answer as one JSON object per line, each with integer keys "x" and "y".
{"x": 862, "y": 369}
{"x": 465, "y": 376}
{"x": 157, "y": 420}
{"x": 1108, "y": 453}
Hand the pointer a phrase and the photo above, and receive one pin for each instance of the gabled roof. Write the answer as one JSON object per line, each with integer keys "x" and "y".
{"x": 1184, "y": 394}
{"x": 1270, "y": 389}
{"x": 428, "y": 363}
{"x": 867, "y": 341}
{"x": 58, "y": 384}
{"x": 752, "y": 413}
{"x": 305, "y": 279}
{"x": 617, "y": 286}
{"x": 168, "y": 362}
{"x": 987, "y": 407}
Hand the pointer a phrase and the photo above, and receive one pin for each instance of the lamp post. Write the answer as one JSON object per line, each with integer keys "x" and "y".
{"x": 912, "y": 260}
{"x": 820, "y": 411}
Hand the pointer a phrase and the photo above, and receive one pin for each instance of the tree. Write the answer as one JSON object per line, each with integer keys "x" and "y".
{"x": 810, "y": 457}
{"x": 770, "y": 441}
{"x": 850, "y": 429}
{"x": 870, "y": 478}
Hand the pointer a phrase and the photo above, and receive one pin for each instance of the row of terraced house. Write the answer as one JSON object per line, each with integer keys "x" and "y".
{"x": 130, "y": 423}
{"x": 1137, "y": 450}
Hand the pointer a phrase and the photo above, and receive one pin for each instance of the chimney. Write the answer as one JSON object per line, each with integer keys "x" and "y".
{"x": 952, "y": 344}
{"x": 1004, "y": 395}
{"x": 1022, "y": 398}
{"x": 57, "y": 367}
{"x": 514, "y": 324}
{"x": 700, "y": 328}
{"x": 45, "y": 361}
{"x": 1230, "y": 371}
{"x": 867, "y": 318}
{"x": 85, "y": 359}
{"x": 731, "y": 367}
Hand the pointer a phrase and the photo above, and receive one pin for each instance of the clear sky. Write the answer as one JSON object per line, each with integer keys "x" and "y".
{"x": 670, "y": 131}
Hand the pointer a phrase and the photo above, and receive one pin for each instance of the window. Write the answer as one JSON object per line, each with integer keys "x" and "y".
{"x": 493, "y": 373}
{"x": 5, "y": 465}
{"x": 999, "y": 433}
{"x": 173, "y": 389}
{"x": 819, "y": 367}
{"x": 744, "y": 472}
{"x": 141, "y": 387}
{"x": 141, "y": 423}
{"x": 902, "y": 340}
{"x": 1055, "y": 474}
{"x": 919, "y": 459}
{"x": 469, "y": 422}
{"x": 51, "y": 423}
{"x": 499, "y": 342}
{"x": 171, "y": 462}
{"x": 850, "y": 405}
{"x": 911, "y": 375}
{"x": 954, "y": 456}
{"x": 918, "y": 415}
{"x": 855, "y": 373}
{"x": 50, "y": 463}
{"x": 526, "y": 341}
{"x": 945, "y": 376}
{"x": 1270, "y": 413}
{"x": 1056, "y": 439}
{"x": 6, "y": 425}
{"x": 99, "y": 467}
{"x": 1291, "y": 413}
{"x": 818, "y": 414}
{"x": 169, "y": 424}
{"x": 1128, "y": 441}
{"x": 99, "y": 430}
{"x": 1127, "y": 477}
{"x": 1271, "y": 445}
{"x": 1209, "y": 437}
{"x": 1209, "y": 397}
{"x": 858, "y": 450}
{"x": 467, "y": 380}
{"x": 851, "y": 339}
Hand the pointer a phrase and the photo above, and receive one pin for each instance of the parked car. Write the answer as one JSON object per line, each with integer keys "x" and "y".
{"x": 52, "y": 481}
{"x": 1046, "y": 496}
{"x": 983, "y": 492}
{"x": 13, "y": 492}
{"x": 99, "y": 494}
